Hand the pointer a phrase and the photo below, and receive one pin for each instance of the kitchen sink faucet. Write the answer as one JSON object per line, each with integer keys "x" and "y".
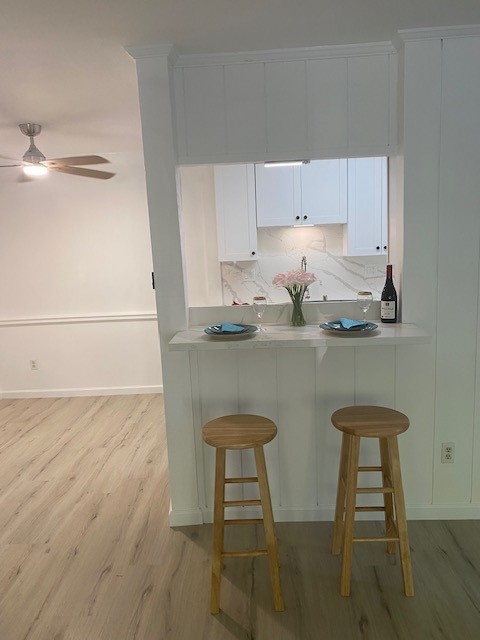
{"x": 303, "y": 266}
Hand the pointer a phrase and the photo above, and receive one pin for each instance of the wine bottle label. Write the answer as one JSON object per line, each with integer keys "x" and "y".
{"x": 387, "y": 309}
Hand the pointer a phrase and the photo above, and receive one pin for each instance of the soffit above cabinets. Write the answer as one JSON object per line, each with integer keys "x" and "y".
{"x": 320, "y": 102}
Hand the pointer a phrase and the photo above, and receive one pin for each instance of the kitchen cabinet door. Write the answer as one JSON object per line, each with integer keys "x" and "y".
{"x": 235, "y": 208}
{"x": 278, "y": 196}
{"x": 367, "y": 228}
{"x": 324, "y": 192}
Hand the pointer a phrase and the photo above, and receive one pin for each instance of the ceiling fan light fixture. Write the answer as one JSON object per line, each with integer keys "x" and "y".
{"x": 35, "y": 170}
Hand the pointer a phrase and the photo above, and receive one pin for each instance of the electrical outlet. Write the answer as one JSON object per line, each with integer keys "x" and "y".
{"x": 34, "y": 365}
{"x": 370, "y": 270}
{"x": 448, "y": 452}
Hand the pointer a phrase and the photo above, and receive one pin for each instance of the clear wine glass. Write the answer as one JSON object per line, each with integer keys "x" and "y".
{"x": 364, "y": 300}
{"x": 259, "y": 306}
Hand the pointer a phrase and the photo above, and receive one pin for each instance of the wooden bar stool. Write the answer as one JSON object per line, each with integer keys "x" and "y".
{"x": 384, "y": 424}
{"x": 242, "y": 432}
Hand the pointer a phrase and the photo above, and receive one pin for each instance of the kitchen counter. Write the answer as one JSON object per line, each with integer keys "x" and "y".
{"x": 280, "y": 336}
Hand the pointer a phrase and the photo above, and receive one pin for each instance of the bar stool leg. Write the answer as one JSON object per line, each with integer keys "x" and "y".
{"x": 269, "y": 527}
{"x": 351, "y": 495}
{"x": 401, "y": 516}
{"x": 340, "y": 503}
{"x": 390, "y": 530}
{"x": 218, "y": 529}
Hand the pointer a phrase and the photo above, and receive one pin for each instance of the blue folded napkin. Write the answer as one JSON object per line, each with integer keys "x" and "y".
{"x": 348, "y": 324}
{"x": 226, "y": 327}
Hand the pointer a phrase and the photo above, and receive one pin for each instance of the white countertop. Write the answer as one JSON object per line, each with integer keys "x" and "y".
{"x": 279, "y": 336}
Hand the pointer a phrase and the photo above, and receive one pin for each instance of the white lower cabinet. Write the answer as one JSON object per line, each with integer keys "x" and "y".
{"x": 236, "y": 213}
{"x": 366, "y": 233}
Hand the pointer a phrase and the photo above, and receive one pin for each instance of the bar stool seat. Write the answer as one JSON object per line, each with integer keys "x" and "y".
{"x": 386, "y": 424}
{"x": 238, "y": 432}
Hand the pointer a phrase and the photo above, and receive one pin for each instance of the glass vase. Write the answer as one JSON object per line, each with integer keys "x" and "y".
{"x": 298, "y": 319}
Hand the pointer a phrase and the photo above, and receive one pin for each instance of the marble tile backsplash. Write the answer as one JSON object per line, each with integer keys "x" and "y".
{"x": 280, "y": 249}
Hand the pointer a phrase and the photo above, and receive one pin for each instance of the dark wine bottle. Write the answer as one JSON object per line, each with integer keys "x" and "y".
{"x": 388, "y": 308}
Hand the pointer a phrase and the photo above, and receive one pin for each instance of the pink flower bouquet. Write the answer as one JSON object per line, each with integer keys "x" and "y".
{"x": 296, "y": 282}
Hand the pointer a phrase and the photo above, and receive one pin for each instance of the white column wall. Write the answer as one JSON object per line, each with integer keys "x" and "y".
{"x": 155, "y": 87}
{"x": 442, "y": 232}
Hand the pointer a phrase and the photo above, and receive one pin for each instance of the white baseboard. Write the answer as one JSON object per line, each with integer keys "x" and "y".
{"x": 326, "y": 513}
{"x": 183, "y": 518}
{"x": 71, "y": 393}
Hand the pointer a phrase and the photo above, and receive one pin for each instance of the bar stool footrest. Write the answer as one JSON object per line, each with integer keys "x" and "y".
{"x": 380, "y": 539}
{"x": 241, "y": 480}
{"x": 245, "y": 554}
{"x": 241, "y": 503}
{"x": 244, "y": 521}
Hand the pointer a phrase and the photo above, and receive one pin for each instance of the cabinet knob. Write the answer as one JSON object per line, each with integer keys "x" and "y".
{"x": 305, "y": 217}
{"x": 385, "y": 247}
{"x": 378, "y": 248}
{"x": 297, "y": 217}
{"x": 253, "y": 253}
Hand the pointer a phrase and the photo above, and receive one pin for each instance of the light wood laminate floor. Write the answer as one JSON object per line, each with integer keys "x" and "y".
{"x": 86, "y": 552}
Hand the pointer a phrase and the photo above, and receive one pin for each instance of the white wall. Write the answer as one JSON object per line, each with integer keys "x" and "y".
{"x": 199, "y": 236}
{"x": 75, "y": 287}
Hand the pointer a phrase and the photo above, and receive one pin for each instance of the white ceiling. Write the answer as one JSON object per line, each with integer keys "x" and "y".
{"x": 63, "y": 63}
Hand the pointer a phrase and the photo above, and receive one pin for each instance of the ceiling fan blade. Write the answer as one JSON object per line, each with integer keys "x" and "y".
{"x": 78, "y": 160}
{"x": 78, "y": 171}
{"x": 10, "y": 165}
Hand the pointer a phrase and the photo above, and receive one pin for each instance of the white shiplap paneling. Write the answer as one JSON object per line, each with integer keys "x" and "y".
{"x": 245, "y": 108}
{"x": 327, "y": 106}
{"x": 458, "y": 246}
{"x": 286, "y": 91}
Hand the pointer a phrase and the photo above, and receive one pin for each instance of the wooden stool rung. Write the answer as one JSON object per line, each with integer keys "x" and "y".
{"x": 369, "y": 508}
{"x": 374, "y": 489}
{"x": 240, "y": 480}
{"x": 239, "y": 503}
{"x": 370, "y": 468}
{"x": 245, "y": 521}
{"x": 380, "y": 539}
{"x": 245, "y": 554}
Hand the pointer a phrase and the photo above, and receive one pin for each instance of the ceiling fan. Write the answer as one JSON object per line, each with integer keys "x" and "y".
{"x": 34, "y": 163}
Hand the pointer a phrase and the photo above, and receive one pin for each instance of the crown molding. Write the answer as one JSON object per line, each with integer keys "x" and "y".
{"x": 282, "y": 55}
{"x": 138, "y": 52}
{"x": 407, "y": 35}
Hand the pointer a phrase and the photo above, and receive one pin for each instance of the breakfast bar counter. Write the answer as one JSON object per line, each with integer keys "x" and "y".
{"x": 280, "y": 336}
{"x": 296, "y": 377}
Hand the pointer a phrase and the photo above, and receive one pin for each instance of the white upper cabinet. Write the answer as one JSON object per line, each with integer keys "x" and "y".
{"x": 322, "y": 102}
{"x": 324, "y": 192}
{"x": 235, "y": 207}
{"x": 278, "y": 196}
{"x": 314, "y": 193}
{"x": 366, "y": 233}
